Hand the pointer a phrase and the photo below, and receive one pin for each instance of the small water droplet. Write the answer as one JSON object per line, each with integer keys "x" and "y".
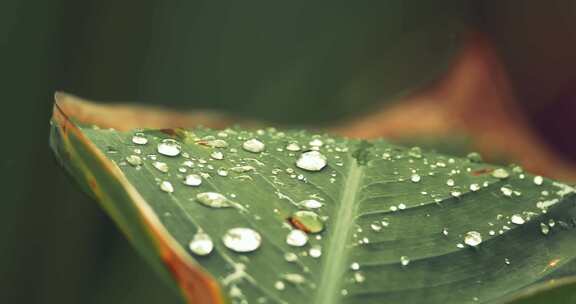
{"x": 376, "y": 226}
{"x": 253, "y": 145}
{"x": 517, "y": 219}
{"x": 290, "y": 257}
{"x": 139, "y": 139}
{"x": 217, "y": 155}
{"x": 316, "y": 142}
{"x": 506, "y": 261}
{"x": 293, "y": 147}
{"x": 169, "y": 147}
{"x": 215, "y": 143}
{"x": 355, "y": 266}
{"x": 450, "y": 182}
{"x": 315, "y": 251}
{"x": 500, "y": 173}
{"x": 311, "y": 161}
{"x": 242, "y": 239}
{"x": 506, "y": 191}
{"x": 544, "y": 229}
{"x": 297, "y": 238}
{"x": 359, "y": 277}
{"x": 415, "y": 178}
{"x": 538, "y": 180}
{"x": 160, "y": 166}
{"x": 213, "y": 199}
{"x": 445, "y": 231}
{"x": 404, "y": 260}
{"x": 201, "y": 244}
{"x": 166, "y": 186}
{"x": 311, "y": 204}
{"x": 279, "y": 285}
{"x": 294, "y": 278}
{"x": 193, "y": 180}
{"x": 134, "y": 160}
{"x": 474, "y": 187}
{"x": 474, "y": 157}
{"x": 473, "y": 238}
{"x": 222, "y": 172}
{"x": 415, "y": 152}
{"x": 307, "y": 221}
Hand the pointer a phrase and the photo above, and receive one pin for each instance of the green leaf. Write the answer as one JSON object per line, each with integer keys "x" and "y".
{"x": 385, "y": 224}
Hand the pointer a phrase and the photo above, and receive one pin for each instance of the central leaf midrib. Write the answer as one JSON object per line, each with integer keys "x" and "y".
{"x": 336, "y": 253}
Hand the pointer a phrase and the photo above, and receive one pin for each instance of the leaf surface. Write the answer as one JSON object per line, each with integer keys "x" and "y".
{"x": 399, "y": 225}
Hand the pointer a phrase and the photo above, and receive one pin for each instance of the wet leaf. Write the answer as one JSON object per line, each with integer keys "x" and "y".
{"x": 334, "y": 221}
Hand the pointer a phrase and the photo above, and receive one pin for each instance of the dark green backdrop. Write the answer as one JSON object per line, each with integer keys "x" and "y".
{"x": 282, "y": 61}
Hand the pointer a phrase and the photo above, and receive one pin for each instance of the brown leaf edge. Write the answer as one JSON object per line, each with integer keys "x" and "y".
{"x": 196, "y": 285}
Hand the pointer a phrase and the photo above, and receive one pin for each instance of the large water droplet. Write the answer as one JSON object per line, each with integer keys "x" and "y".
{"x": 139, "y": 139}
{"x": 166, "y": 186}
{"x": 169, "y": 147}
{"x": 213, "y": 199}
{"x": 307, "y": 221}
{"x": 297, "y": 238}
{"x": 242, "y": 239}
{"x": 201, "y": 244}
{"x": 311, "y": 204}
{"x": 134, "y": 160}
{"x": 311, "y": 161}
{"x": 253, "y": 145}
{"x": 472, "y": 238}
{"x": 193, "y": 180}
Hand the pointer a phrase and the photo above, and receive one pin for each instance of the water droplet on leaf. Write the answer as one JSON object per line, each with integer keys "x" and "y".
{"x": 201, "y": 244}
{"x": 307, "y": 221}
{"x": 293, "y": 147}
{"x": 242, "y": 239}
{"x": 297, "y": 238}
{"x": 160, "y": 166}
{"x": 473, "y": 238}
{"x": 311, "y": 204}
{"x": 517, "y": 219}
{"x": 139, "y": 139}
{"x": 134, "y": 160}
{"x": 169, "y": 147}
{"x": 311, "y": 161}
{"x": 500, "y": 173}
{"x": 166, "y": 186}
{"x": 253, "y": 145}
{"x": 193, "y": 180}
{"x": 213, "y": 199}
{"x": 404, "y": 260}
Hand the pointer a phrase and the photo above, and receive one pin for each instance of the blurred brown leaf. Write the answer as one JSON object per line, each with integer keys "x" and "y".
{"x": 474, "y": 99}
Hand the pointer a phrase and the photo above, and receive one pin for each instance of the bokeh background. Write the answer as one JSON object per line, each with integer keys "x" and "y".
{"x": 288, "y": 62}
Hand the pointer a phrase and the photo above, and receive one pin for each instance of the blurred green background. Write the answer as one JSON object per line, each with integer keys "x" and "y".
{"x": 282, "y": 61}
